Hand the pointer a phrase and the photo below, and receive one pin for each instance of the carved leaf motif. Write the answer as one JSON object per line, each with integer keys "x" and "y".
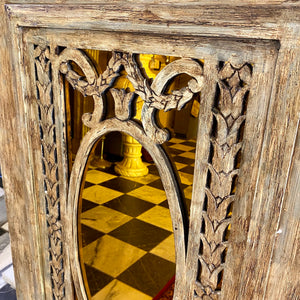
{"x": 51, "y": 180}
{"x": 226, "y": 143}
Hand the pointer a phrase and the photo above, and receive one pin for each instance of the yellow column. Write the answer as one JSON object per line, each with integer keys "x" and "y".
{"x": 132, "y": 164}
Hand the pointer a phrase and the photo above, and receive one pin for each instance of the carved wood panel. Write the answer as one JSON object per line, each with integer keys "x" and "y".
{"x": 229, "y": 84}
{"x": 229, "y": 111}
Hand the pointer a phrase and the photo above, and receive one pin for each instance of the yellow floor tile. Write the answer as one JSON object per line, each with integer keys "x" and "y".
{"x": 158, "y": 216}
{"x": 186, "y": 178}
{"x": 179, "y": 165}
{"x": 117, "y": 290}
{"x": 95, "y": 176}
{"x": 188, "y": 192}
{"x": 176, "y": 141}
{"x": 100, "y": 194}
{"x": 188, "y": 155}
{"x": 166, "y": 249}
{"x": 110, "y": 255}
{"x": 149, "y": 194}
{"x": 182, "y": 147}
{"x": 103, "y": 218}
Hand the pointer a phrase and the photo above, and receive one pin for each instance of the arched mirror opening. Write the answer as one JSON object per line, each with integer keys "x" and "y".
{"x": 125, "y": 235}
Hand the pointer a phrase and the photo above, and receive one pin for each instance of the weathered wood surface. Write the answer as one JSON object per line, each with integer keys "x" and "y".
{"x": 18, "y": 178}
{"x": 286, "y": 252}
{"x": 267, "y": 187}
{"x": 54, "y": 168}
{"x": 256, "y": 21}
{"x": 271, "y": 182}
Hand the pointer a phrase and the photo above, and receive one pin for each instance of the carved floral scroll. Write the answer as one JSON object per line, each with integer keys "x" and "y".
{"x": 153, "y": 96}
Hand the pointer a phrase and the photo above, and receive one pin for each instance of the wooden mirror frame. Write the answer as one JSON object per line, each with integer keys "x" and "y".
{"x": 262, "y": 260}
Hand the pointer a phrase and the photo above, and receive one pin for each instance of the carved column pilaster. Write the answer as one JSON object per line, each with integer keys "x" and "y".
{"x": 50, "y": 170}
{"x": 225, "y": 142}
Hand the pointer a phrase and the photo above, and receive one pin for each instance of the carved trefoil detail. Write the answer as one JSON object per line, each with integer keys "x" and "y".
{"x": 45, "y": 104}
{"x": 223, "y": 167}
{"x": 152, "y": 94}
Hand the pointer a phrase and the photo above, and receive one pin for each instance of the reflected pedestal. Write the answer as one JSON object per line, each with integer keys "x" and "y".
{"x": 131, "y": 165}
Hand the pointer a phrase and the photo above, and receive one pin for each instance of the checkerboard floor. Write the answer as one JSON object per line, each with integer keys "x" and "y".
{"x": 127, "y": 237}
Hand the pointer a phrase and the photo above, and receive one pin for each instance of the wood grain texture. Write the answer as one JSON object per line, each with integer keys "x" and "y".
{"x": 18, "y": 179}
{"x": 255, "y": 21}
{"x": 270, "y": 192}
{"x": 253, "y": 137}
{"x": 271, "y": 182}
{"x": 286, "y": 256}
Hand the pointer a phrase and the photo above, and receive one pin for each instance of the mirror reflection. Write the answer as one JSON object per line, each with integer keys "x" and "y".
{"x": 126, "y": 238}
{"x": 126, "y": 230}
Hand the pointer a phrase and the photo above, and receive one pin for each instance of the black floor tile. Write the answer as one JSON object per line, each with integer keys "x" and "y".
{"x": 149, "y": 274}
{"x": 97, "y": 280}
{"x": 8, "y": 293}
{"x": 169, "y": 144}
{"x": 174, "y": 152}
{"x": 184, "y": 186}
{"x": 153, "y": 170}
{"x": 187, "y": 169}
{"x": 164, "y": 204}
{"x": 121, "y": 184}
{"x": 140, "y": 234}
{"x": 89, "y": 235}
{"x": 87, "y": 205}
{"x": 129, "y": 205}
{"x": 189, "y": 143}
{"x": 110, "y": 170}
{"x": 188, "y": 205}
{"x": 184, "y": 160}
{"x": 157, "y": 184}
{"x": 88, "y": 184}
